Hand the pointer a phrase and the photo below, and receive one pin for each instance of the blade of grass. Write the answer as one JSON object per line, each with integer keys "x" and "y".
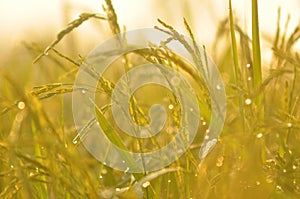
{"x": 235, "y": 60}
{"x": 42, "y": 187}
{"x": 233, "y": 43}
{"x": 256, "y": 45}
{"x": 114, "y": 137}
{"x": 257, "y": 73}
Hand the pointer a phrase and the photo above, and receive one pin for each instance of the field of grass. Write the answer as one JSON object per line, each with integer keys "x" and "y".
{"x": 256, "y": 156}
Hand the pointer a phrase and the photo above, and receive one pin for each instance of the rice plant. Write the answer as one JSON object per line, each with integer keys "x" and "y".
{"x": 257, "y": 154}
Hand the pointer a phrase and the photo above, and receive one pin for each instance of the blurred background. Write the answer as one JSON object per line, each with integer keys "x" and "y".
{"x": 33, "y": 20}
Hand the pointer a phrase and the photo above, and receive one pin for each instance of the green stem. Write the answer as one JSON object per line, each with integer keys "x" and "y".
{"x": 257, "y": 72}
{"x": 235, "y": 60}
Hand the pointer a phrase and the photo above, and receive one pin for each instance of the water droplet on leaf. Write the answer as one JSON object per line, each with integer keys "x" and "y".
{"x": 171, "y": 106}
{"x": 278, "y": 188}
{"x": 146, "y": 184}
{"x": 21, "y": 105}
{"x": 118, "y": 189}
{"x": 248, "y": 101}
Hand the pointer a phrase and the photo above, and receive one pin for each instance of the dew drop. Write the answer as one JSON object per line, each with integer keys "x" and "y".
{"x": 248, "y": 101}
{"x": 118, "y": 189}
{"x": 204, "y": 123}
{"x": 31, "y": 174}
{"x": 123, "y": 161}
{"x": 248, "y": 65}
{"x": 206, "y": 137}
{"x": 284, "y": 170}
{"x": 83, "y": 91}
{"x": 146, "y": 184}
{"x": 278, "y": 188}
{"x": 21, "y": 105}
{"x": 169, "y": 181}
{"x": 294, "y": 167}
{"x": 12, "y": 166}
{"x": 171, "y": 106}
{"x": 218, "y": 87}
{"x": 100, "y": 176}
{"x": 259, "y": 135}
{"x": 289, "y": 125}
{"x": 257, "y": 183}
{"x": 249, "y": 78}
